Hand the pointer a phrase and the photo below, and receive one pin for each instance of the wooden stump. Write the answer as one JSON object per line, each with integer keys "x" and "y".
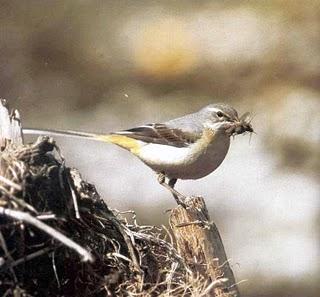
{"x": 200, "y": 244}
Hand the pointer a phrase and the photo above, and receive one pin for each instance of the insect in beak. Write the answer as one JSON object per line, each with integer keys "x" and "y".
{"x": 241, "y": 125}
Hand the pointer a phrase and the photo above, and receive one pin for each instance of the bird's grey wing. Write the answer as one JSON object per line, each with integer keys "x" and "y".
{"x": 167, "y": 133}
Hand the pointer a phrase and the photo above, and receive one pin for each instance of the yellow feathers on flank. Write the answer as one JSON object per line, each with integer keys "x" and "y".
{"x": 125, "y": 142}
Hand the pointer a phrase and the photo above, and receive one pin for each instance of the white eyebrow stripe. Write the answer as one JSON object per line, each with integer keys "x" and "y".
{"x": 214, "y": 109}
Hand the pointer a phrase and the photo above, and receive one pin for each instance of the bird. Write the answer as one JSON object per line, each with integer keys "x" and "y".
{"x": 187, "y": 147}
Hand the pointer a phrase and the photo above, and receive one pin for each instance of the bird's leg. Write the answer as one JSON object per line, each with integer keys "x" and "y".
{"x": 170, "y": 186}
{"x": 179, "y": 198}
{"x": 172, "y": 182}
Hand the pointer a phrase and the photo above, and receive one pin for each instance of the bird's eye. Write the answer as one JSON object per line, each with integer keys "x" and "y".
{"x": 219, "y": 114}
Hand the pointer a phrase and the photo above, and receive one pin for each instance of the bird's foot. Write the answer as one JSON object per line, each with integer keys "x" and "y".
{"x": 180, "y": 199}
{"x": 177, "y": 196}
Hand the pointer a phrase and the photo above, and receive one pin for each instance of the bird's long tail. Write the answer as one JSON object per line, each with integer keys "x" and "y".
{"x": 63, "y": 133}
{"x": 120, "y": 140}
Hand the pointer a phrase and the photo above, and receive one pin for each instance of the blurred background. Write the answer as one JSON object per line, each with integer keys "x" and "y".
{"x": 101, "y": 66}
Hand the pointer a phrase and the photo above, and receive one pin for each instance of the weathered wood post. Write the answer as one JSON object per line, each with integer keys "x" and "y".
{"x": 199, "y": 243}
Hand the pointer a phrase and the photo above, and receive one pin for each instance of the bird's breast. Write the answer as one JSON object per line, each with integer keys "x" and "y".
{"x": 192, "y": 162}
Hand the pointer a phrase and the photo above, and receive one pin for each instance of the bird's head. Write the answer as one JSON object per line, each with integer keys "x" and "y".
{"x": 222, "y": 117}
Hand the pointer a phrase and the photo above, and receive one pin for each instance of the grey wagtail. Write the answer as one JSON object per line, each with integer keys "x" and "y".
{"x": 188, "y": 147}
